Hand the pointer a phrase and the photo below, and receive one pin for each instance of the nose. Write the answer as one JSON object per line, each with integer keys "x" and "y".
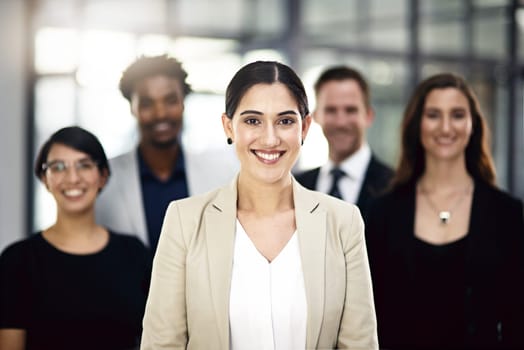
{"x": 160, "y": 111}
{"x": 270, "y": 137}
{"x": 445, "y": 124}
{"x": 71, "y": 174}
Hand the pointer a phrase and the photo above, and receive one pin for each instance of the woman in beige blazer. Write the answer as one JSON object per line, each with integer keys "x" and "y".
{"x": 196, "y": 298}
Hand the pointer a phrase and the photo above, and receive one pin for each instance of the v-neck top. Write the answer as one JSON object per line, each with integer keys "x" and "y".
{"x": 267, "y": 302}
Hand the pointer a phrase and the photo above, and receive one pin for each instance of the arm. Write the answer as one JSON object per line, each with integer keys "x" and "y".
{"x": 358, "y": 326}
{"x": 12, "y": 339}
{"x": 165, "y": 324}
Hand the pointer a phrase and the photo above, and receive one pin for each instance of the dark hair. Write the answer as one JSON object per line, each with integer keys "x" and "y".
{"x": 149, "y": 66}
{"x": 479, "y": 162}
{"x": 264, "y": 72}
{"x": 340, "y": 73}
{"x": 78, "y": 139}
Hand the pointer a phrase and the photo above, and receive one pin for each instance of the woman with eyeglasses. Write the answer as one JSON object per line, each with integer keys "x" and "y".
{"x": 75, "y": 285}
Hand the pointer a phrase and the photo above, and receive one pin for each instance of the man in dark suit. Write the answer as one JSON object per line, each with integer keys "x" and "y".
{"x": 343, "y": 110}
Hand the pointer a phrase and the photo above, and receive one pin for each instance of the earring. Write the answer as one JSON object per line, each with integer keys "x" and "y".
{"x": 229, "y": 141}
{"x": 302, "y": 142}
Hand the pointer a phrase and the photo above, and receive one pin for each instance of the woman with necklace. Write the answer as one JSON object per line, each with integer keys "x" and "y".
{"x": 262, "y": 263}
{"x": 446, "y": 247}
{"x": 74, "y": 285}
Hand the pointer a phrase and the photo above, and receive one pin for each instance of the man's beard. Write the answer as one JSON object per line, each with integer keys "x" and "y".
{"x": 162, "y": 144}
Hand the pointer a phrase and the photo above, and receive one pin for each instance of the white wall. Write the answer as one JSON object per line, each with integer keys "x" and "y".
{"x": 13, "y": 32}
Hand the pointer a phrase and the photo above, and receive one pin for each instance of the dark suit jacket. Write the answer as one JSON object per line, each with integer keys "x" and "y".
{"x": 375, "y": 182}
{"x": 494, "y": 268}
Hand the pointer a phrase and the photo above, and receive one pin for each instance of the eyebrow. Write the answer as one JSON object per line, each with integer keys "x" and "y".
{"x": 65, "y": 161}
{"x": 250, "y": 111}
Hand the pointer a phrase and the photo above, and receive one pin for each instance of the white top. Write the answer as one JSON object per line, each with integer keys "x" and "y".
{"x": 267, "y": 304}
{"x": 355, "y": 167}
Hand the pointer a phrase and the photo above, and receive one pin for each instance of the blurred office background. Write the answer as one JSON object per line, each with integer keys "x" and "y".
{"x": 60, "y": 62}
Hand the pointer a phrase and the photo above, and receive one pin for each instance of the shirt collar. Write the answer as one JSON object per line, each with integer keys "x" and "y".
{"x": 355, "y": 165}
{"x": 145, "y": 170}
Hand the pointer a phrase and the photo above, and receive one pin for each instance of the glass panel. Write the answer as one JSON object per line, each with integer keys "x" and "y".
{"x": 489, "y": 33}
{"x": 56, "y": 50}
{"x": 442, "y": 37}
{"x": 520, "y": 28}
{"x": 200, "y": 15}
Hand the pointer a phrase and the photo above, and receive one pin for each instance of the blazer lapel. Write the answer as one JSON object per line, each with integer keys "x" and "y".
{"x": 311, "y": 229}
{"x": 220, "y": 221}
{"x": 131, "y": 190}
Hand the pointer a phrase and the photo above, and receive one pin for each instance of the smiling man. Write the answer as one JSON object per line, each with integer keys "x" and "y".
{"x": 343, "y": 110}
{"x": 160, "y": 169}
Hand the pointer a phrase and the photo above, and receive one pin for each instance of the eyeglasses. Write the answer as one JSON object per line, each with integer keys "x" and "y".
{"x": 59, "y": 167}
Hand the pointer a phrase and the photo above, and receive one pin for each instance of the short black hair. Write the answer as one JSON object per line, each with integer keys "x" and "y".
{"x": 78, "y": 139}
{"x": 264, "y": 72}
{"x": 339, "y": 73}
{"x": 149, "y": 66}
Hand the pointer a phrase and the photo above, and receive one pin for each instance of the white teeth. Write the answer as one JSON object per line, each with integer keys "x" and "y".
{"x": 73, "y": 193}
{"x": 161, "y": 126}
{"x": 445, "y": 141}
{"x": 268, "y": 156}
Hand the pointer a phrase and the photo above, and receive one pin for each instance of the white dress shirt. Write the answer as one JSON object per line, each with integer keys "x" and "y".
{"x": 354, "y": 166}
{"x": 267, "y": 306}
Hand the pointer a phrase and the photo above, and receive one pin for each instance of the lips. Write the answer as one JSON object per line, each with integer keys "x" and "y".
{"x": 72, "y": 193}
{"x": 162, "y": 126}
{"x": 445, "y": 140}
{"x": 268, "y": 157}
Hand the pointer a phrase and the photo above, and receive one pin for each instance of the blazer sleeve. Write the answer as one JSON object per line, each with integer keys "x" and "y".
{"x": 164, "y": 325}
{"x": 358, "y": 326}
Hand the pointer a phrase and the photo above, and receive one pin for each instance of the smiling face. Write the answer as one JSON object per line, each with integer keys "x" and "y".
{"x": 158, "y": 104}
{"x": 76, "y": 186}
{"x": 342, "y": 113}
{"x": 267, "y": 131}
{"x": 446, "y": 125}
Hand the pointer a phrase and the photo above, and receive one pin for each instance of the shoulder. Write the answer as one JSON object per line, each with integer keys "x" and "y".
{"x": 20, "y": 250}
{"x": 307, "y": 173}
{"x": 496, "y": 193}
{"x": 378, "y": 167}
{"x": 127, "y": 240}
{"x": 129, "y": 248}
{"x": 308, "y": 178}
{"x": 394, "y": 199}
{"x": 337, "y": 211}
{"x": 196, "y": 203}
{"x": 501, "y": 201}
{"x": 124, "y": 160}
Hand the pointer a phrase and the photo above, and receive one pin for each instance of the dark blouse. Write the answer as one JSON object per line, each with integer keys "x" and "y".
{"x": 466, "y": 295}
{"x": 439, "y": 283}
{"x": 69, "y": 301}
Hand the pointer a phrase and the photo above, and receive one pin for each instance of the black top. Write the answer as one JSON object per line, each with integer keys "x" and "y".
{"x": 492, "y": 288}
{"x": 69, "y": 301}
{"x": 439, "y": 283}
{"x": 157, "y": 194}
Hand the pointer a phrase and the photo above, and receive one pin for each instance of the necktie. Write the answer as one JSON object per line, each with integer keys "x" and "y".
{"x": 336, "y": 173}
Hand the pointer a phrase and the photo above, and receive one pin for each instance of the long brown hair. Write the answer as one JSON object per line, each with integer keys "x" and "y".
{"x": 479, "y": 162}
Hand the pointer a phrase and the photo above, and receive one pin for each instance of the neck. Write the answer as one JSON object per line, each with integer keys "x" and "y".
{"x": 160, "y": 160}
{"x": 445, "y": 175}
{"x": 338, "y": 158}
{"x": 265, "y": 199}
{"x": 82, "y": 226}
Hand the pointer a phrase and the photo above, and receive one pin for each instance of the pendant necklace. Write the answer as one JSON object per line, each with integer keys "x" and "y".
{"x": 444, "y": 215}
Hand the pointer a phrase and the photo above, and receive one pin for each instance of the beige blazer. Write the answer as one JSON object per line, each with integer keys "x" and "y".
{"x": 188, "y": 303}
